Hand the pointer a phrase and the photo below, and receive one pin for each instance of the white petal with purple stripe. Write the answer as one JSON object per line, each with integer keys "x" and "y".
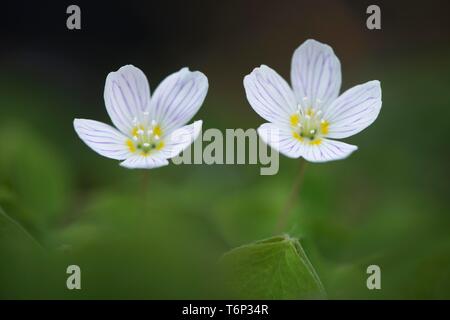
{"x": 180, "y": 139}
{"x": 127, "y": 96}
{"x": 144, "y": 162}
{"x": 315, "y": 74}
{"x": 178, "y": 98}
{"x": 280, "y": 139}
{"x": 327, "y": 150}
{"x": 102, "y": 138}
{"x": 270, "y": 95}
{"x": 354, "y": 110}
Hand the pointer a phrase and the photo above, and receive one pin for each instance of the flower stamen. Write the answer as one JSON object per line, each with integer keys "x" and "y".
{"x": 307, "y": 124}
{"x": 145, "y": 138}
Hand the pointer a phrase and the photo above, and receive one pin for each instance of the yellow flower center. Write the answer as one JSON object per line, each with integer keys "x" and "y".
{"x": 145, "y": 138}
{"x": 308, "y": 126}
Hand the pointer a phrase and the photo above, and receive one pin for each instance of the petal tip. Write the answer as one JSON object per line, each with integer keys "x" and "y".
{"x": 77, "y": 122}
{"x": 198, "y": 123}
{"x": 314, "y": 42}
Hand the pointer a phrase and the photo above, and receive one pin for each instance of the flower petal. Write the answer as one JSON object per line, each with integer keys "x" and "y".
{"x": 127, "y": 95}
{"x": 180, "y": 139}
{"x": 102, "y": 138}
{"x": 178, "y": 98}
{"x": 270, "y": 95}
{"x": 354, "y": 110}
{"x": 315, "y": 74}
{"x": 144, "y": 162}
{"x": 327, "y": 150}
{"x": 280, "y": 139}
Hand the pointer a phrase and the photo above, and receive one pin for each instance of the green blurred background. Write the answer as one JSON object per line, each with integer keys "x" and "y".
{"x": 387, "y": 204}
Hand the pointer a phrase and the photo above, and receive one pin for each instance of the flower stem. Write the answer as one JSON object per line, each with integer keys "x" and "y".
{"x": 284, "y": 215}
{"x": 20, "y": 227}
{"x": 145, "y": 183}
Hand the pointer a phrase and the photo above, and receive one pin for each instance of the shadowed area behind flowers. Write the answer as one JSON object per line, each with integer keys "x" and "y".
{"x": 387, "y": 204}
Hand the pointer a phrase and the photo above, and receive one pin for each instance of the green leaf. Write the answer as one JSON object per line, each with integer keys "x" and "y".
{"x": 12, "y": 232}
{"x": 275, "y": 268}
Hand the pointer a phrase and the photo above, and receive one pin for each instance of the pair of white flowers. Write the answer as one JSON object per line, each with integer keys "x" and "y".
{"x": 302, "y": 120}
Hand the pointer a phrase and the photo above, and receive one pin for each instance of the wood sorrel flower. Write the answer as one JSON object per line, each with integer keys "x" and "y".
{"x": 150, "y": 130}
{"x": 304, "y": 119}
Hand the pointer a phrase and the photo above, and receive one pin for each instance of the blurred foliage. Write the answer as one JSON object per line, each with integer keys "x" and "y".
{"x": 35, "y": 182}
{"x": 161, "y": 236}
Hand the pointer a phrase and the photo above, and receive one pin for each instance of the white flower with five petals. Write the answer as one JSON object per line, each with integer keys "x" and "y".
{"x": 150, "y": 130}
{"x": 304, "y": 120}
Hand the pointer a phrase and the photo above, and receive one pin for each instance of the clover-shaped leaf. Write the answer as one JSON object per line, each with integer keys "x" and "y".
{"x": 275, "y": 268}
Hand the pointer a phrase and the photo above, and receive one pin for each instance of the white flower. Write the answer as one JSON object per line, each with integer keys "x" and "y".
{"x": 150, "y": 129}
{"x": 304, "y": 120}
